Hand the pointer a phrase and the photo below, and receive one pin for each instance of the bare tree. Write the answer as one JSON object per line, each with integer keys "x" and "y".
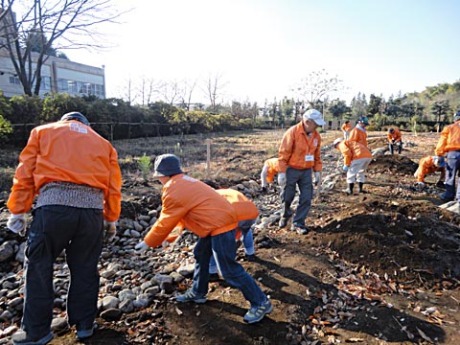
{"x": 186, "y": 93}
{"x": 170, "y": 91}
{"x": 317, "y": 86}
{"x": 213, "y": 89}
{"x": 147, "y": 88}
{"x": 64, "y": 24}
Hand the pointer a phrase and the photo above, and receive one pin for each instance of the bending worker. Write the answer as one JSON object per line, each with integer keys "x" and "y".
{"x": 429, "y": 165}
{"x": 356, "y": 158}
{"x": 270, "y": 169}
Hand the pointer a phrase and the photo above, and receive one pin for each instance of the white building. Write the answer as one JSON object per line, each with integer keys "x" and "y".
{"x": 58, "y": 75}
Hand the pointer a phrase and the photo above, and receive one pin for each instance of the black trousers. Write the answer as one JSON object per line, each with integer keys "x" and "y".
{"x": 79, "y": 232}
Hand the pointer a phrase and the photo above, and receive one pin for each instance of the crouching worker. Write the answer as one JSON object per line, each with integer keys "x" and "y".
{"x": 394, "y": 139}
{"x": 429, "y": 165}
{"x": 246, "y": 213}
{"x": 200, "y": 209}
{"x": 356, "y": 159}
{"x": 270, "y": 169}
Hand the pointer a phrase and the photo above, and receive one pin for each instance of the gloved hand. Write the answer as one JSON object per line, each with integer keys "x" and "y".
{"x": 110, "y": 231}
{"x": 317, "y": 178}
{"x": 282, "y": 179}
{"x": 141, "y": 246}
{"x": 17, "y": 223}
{"x": 345, "y": 168}
{"x": 419, "y": 185}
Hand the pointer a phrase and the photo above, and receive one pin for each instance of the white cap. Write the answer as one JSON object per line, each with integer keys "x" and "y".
{"x": 314, "y": 115}
{"x": 337, "y": 141}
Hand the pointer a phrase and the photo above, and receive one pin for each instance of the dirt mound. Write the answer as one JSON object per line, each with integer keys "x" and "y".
{"x": 392, "y": 164}
{"x": 410, "y": 240}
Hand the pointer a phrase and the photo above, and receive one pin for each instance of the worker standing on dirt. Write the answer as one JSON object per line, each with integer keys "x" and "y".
{"x": 246, "y": 213}
{"x": 192, "y": 204}
{"x": 300, "y": 157}
{"x": 346, "y": 128}
{"x": 359, "y": 133}
{"x": 270, "y": 169}
{"x": 449, "y": 146}
{"x": 394, "y": 139}
{"x": 429, "y": 165}
{"x": 75, "y": 175}
{"x": 356, "y": 158}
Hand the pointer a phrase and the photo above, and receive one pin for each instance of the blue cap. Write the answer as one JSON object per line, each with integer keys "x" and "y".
{"x": 75, "y": 115}
{"x": 166, "y": 165}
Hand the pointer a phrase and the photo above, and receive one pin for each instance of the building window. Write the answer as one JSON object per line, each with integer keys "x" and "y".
{"x": 14, "y": 80}
{"x": 45, "y": 83}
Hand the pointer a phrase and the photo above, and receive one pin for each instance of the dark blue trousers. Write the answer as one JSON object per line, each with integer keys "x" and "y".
{"x": 78, "y": 232}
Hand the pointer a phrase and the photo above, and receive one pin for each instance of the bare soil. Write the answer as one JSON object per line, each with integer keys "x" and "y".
{"x": 381, "y": 267}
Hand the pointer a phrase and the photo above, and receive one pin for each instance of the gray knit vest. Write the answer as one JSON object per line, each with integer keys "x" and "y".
{"x": 70, "y": 194}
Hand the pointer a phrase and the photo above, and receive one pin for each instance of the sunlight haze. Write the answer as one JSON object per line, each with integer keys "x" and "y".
{"x": 262, "y": 48}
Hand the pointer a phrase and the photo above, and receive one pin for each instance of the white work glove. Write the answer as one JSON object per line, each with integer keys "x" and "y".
{"x": 110, "y": 231}
{"x": 419, "y": 186}
{"x": 141, "y": 246}
{"x": 345, "y": 168}
{"x": 17, "y": 223}
{"x": 317, "y": 178}
{"x": 282, "y": 179}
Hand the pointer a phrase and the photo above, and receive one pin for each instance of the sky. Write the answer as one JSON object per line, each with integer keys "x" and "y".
{"x": 261, "y": 49}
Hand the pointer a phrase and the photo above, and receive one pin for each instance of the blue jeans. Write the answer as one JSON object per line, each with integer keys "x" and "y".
{"x": 223, "y": 247}
{"x": 452, "y": 167}
{"x": 302, "y": 179}
{"x": 79, "y": 232}
{"x": 248, "y": 242}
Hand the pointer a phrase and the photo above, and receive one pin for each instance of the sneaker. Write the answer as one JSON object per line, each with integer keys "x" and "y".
{"x": 300, "y": 229}
{"x": 86, "y": 333}
{"x": 283, "y": 222}
{"x": 21, "y": 338}
{"x": 190, "y": 296}
{"x": 255, "y": 314}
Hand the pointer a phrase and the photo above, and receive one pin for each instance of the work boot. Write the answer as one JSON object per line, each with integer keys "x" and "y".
{"x": 360, "y": 187}
{"x": 349, "y": 190}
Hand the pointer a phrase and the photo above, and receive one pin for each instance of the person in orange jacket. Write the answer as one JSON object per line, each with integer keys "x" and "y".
{"x": 197, "y": 207}
{"x": 356, "y": 158}
{"x": 359, "y": 133}
{"x": 449, "y": 147}
{"x": 73, "y": 174}
{"x": 394, "y": 139}
{"x": 270, "y": 169}
{"x": 299, "y": 158}
{"x": 430, "y": 165}
{"x": 246, "y": 213}
{"x": 346, "y": 128}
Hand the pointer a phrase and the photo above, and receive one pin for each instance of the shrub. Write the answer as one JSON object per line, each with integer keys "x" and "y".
{"x": 144, "y": 164}
{"x": 5, "y": 130}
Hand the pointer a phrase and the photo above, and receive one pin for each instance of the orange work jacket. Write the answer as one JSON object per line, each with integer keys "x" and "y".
{"x": 346, "y": 127}
{"x": 449, "y": 140}
{"x": 352, "y": 150}
{"x": 245, "y": 209}
{"x": 194, "y": 205}
{"x": 66, "y": 151}
{"x": 425, "y": 167}
{"x": 396, "y": 135}
{"x": 359, "y": 134}
{"x": 296, "y": 145}
{"x": 273, "y": 168}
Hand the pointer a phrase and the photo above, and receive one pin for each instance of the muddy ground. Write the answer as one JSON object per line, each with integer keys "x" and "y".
{"x": 381, "y": 267}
